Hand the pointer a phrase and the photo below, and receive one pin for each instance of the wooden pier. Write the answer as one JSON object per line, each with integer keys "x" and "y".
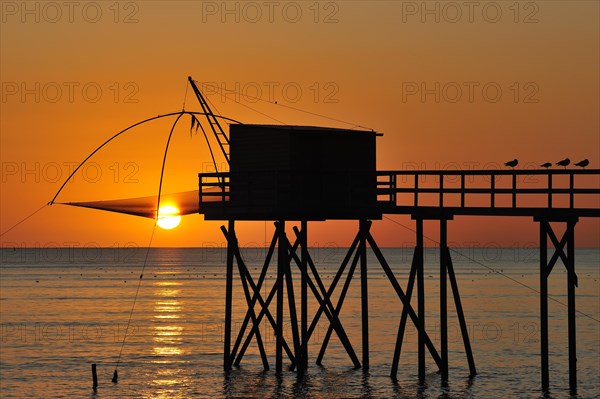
{"x": 305, "y": 173}
{"x": 549, "y": 197}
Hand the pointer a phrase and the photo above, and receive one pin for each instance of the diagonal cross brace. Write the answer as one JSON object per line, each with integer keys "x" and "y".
{"x": 405, "y": 301}
{"x": 461, "y": 316}
{"x": 268, "y": 302}
{"x": 338, "y": 307}
{"x": 259, "y": 340}
{"x": 334, "y": 282}
{"x": 256, "y": 289}
{"x": 254, "y": 297}
{"x": 328, "y": 308}
{"x": 402, "y": 326}
{"x": 559, "y": 250}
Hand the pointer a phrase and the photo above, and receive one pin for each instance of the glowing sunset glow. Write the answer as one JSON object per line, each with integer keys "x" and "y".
{"x": 168, "y": 217}
{"x": 500, "y": 95}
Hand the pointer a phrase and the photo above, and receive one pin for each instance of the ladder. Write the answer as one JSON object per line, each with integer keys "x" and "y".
{"x": 213, "y": 122}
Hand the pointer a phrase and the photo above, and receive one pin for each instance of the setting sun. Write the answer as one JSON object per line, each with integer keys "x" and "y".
{"x": 168, "y": 217}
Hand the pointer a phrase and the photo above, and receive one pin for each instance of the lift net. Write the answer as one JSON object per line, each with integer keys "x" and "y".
{"x": 186, "y": 202}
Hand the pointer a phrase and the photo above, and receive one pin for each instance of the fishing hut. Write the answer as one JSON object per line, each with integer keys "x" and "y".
{"x": 291, "y": 173}
{"x": 303, "y": 174}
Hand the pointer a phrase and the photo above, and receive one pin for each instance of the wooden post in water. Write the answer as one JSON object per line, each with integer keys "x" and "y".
{"x": 402, "y": 326}
{"x": 228, "y": 299}
{"x": 443, "y": 298}
{"x": 94, "y": 377}
{"x": 568, "y": 258}
{"x": 420, "y": 302}
{"x": 281, "y": 266}
{"x": 572, "y": 283}
{"x": 364, "y": 294}
{"x": 544, "y": 303}
{"x": 303, "y": 363}
{"x": 461, "y": 315}
{"x": 115, "y": 378}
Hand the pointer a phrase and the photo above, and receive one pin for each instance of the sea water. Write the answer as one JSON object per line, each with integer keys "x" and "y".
{"x": 63, "y": 309}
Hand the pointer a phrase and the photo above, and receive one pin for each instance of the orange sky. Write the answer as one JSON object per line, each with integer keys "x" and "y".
{"x": 446, "y": 83}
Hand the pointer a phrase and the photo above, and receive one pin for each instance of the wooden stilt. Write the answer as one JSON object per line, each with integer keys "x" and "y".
{"x": 364, "y": 296}
{"x": 303, "y": 363}
{"x": 403, "y": 317}
{"x": 443, "y": 299}
{"x": 546, "y": 267}
{"x": 282, "y": 259}
{"x": 461, "y": 316}
{"x": 94, "y": 377}
{"x": 228, "y": 301}
{"x": 571, "y": 283}
{"x": 420, "y": 303}
{"x": 292, "y": 310}
{"x": 544, "y": 304}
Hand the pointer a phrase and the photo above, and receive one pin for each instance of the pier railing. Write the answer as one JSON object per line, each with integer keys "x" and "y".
{"x": 489, "y": 192}
{"x": 214, "y": 187}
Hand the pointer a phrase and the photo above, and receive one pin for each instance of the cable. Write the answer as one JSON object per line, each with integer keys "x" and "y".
{"x": 184, "y": 97}
{"x": 249, "y": 107}
{"x": 325, "y": 117}
{"x": 134, "y": 301}
{"x": 210, "y": 103}
{"x": 491, "y": 269}
{"x": 225, "y": 91}
{"x": 24, "y": 219}
{"x": 162, "y": 170}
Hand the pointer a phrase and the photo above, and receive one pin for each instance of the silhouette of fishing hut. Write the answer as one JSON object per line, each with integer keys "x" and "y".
{"x": 301, "y": 174}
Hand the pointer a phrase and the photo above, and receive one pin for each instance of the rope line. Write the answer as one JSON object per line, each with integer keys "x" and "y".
{"x": 136, "y": 296}
{"x": 185, "y": 97}
{"x": 491, "y": 269}
{"x": 24, "y": 219}
{"x": 326, "y": 117}
{"x": 224, "y": 92}
{"x": 162, "y": 170}
{"x": 250, "y": 108}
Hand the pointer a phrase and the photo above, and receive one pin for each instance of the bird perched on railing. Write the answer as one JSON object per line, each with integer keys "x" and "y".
{"x": 546, "y": 165}
{"x": 565, "y": 162}
{"x": 512, "y": 163}
{"x": 583, "y": 164}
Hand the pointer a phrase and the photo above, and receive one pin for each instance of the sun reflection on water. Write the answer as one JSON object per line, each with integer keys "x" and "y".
{"x": 167, "y": 340}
